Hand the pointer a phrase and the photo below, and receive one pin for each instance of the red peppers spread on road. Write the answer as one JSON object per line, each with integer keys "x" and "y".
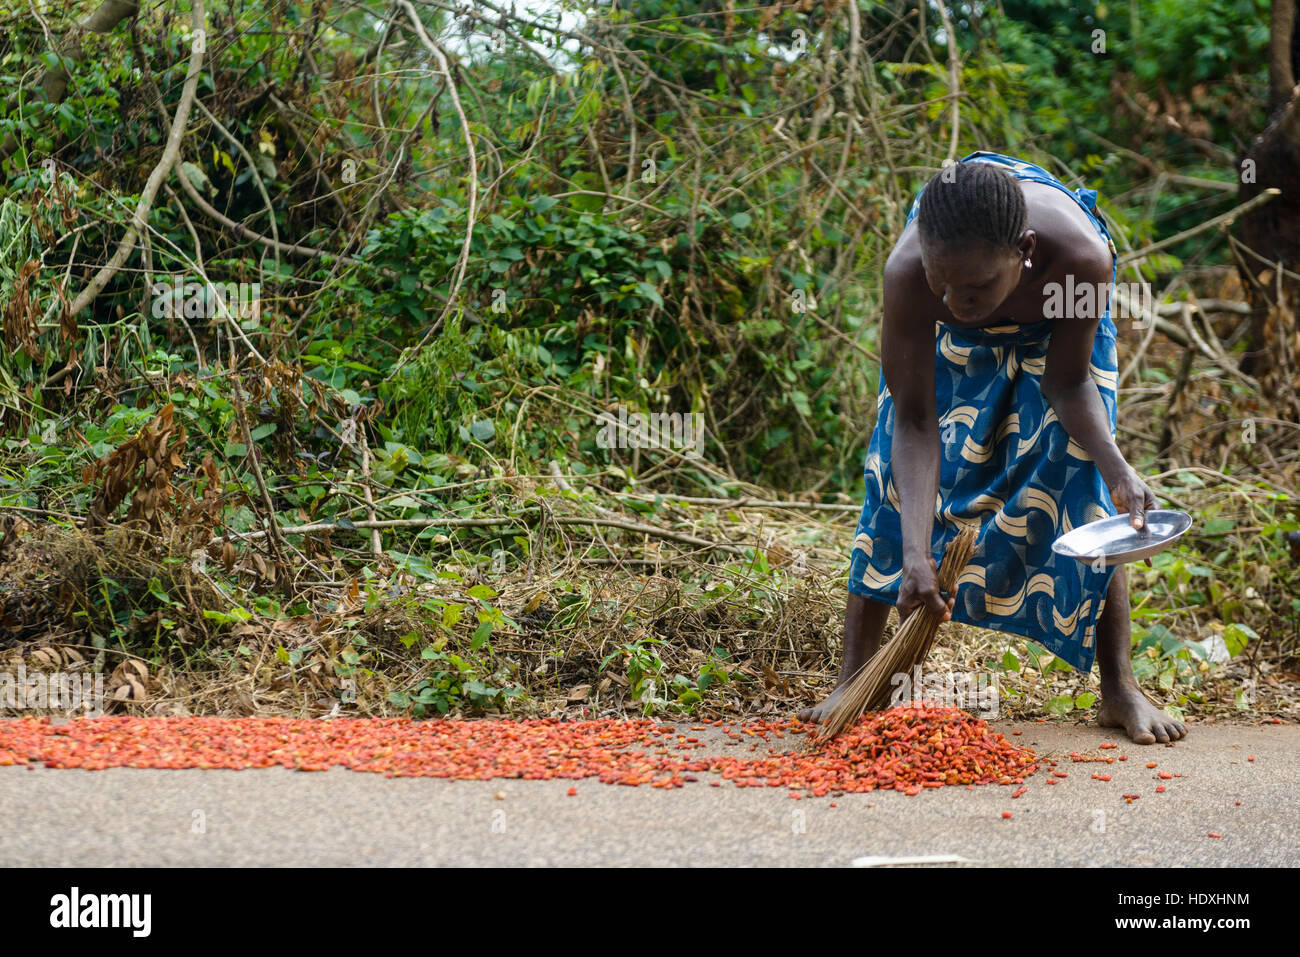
{"x": 905, "y": 749}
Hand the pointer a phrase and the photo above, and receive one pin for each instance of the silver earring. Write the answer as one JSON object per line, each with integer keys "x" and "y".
{"x": 1028, "y": 264}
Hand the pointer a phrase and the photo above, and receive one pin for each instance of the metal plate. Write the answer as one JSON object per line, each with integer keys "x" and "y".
{"x": 1118, "y": 541}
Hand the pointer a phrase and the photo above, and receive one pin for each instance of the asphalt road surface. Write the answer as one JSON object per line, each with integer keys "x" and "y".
{"x": 126, "y": 817}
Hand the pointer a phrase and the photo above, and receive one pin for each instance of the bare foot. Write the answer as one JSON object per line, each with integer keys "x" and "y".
{"x": 1129, "y": 709}
{"x": 818, "y": 712}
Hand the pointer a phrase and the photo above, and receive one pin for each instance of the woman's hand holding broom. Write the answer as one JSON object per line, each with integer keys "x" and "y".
{"x": 871, "y": 686}
{"x": 920, "y": 587}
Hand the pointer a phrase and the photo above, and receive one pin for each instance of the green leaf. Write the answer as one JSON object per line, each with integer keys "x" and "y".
{"x": 1009, "y": 661}
{"x": 196, "y": 176}
{"x": 262, "y": 431}
{"x": 481, "y": 591}
{"x": 225, "y": 618}
{"x": 156, "y": 589}
{"x": 451, "y": 614}
{"x": 1063, "y": 704}
{"x": 650, "y": 292}
{"x": 1085, "y": 700}
{"x": 1236, "y": 637}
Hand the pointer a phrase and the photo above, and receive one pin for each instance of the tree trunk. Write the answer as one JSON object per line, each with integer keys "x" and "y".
{"x": 1270, "y": 233}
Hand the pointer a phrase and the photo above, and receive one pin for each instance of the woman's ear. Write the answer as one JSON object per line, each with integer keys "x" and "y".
{"x": 1028, "y": 243}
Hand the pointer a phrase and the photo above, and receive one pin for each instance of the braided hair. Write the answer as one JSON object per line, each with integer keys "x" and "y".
{"x": 966, "y": 201}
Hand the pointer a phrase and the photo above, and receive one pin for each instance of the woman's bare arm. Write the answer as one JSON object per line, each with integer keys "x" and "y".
{"x": 907, "y": 359}
{"x": 1069, "y": 387}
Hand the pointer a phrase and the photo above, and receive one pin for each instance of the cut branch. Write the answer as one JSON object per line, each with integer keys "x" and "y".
{"x": 1224, "y": 219}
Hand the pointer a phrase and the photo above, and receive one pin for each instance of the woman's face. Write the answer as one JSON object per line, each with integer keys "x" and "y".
{"x": 973, "y": 281}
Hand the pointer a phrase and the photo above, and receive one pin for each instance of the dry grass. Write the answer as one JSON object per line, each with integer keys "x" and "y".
{"x": 570, "y": 617}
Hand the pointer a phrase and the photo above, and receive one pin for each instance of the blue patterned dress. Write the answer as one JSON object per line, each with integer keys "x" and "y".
{"x": 1007, "y": 463}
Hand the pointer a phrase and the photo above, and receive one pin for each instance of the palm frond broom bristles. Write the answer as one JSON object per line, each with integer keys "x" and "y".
{"x": 869, "y": 689}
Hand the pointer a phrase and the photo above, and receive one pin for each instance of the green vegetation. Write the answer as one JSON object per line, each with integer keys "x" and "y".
{"x": 682, "y": 209}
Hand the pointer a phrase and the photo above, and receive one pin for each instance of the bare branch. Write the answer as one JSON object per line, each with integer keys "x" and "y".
{"x": 171, "y": 152}
{"x": 954, "y": 80}
{"x": 472, "y": 210}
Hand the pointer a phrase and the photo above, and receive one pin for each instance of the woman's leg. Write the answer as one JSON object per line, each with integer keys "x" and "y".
{"x": 864, "y": 624}
{"x": 1122, "y": 703}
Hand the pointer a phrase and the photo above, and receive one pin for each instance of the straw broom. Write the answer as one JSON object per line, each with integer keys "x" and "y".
{"x": 869, "y": 689}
